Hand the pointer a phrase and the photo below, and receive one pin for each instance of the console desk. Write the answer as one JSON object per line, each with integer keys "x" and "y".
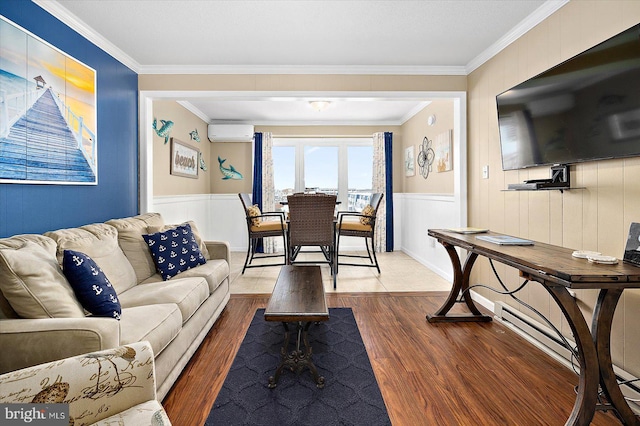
{"x": 557, "y": 271}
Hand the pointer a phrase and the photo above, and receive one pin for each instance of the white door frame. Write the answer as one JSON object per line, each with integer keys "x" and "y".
{"x": 459, "y": 130}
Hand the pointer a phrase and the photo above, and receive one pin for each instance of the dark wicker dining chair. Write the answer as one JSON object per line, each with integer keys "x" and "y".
{"x": 311, "y": 223}
{"x": 363, "y": 225}
{"x": 261, "y": 225}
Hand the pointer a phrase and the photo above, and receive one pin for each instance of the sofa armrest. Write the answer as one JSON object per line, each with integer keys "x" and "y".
{"x": 219, "y": 250}
{"x": 96, "y": 385}
{"x": 34, "y": 341}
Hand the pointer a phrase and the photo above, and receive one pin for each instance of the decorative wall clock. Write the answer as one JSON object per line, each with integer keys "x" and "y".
{"x": 425, "y": 157}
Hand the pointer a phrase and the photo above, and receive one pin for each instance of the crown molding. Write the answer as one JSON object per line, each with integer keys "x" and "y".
{"x": 325, "y": 123}
{"x": 305, "y": 69}
{"x": 195, "y": 111}
{"x": 540, "y": 14}
{"x": 71, "y": 20}
{"x": 68, "y": 18}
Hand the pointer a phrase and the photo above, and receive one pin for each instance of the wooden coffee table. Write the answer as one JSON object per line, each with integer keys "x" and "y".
{"x": 298, "y": 297}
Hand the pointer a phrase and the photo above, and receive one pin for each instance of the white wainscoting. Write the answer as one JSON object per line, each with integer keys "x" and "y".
{"x": 414, "y": 215}
{"x": 220, "y": 217}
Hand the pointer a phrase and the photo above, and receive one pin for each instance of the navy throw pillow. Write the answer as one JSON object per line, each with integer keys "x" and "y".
{"x": 174, "y": 250}
{"x": 91, "y": 286}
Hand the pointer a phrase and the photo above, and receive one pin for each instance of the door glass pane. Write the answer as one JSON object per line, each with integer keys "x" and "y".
{"x": 360, "y": 171}
{"x": 284, "y": 172}
{"x": 321, "y": 169}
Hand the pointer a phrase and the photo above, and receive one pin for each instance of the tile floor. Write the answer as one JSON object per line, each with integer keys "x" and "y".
{"x": 399, "y": 272}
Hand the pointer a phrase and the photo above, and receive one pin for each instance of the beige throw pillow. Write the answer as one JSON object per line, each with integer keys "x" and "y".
{"x": 99, "y": 241}
{"x": 367, "y": 211}
{"x": 32, "y": 281}
{"x": 130, "y": 231}
{"x": 254, "y": 211}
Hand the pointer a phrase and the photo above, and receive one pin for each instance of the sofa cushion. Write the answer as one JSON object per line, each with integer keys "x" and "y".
{"x": 214, "y": 271}
{"x": 158, "y": 324}
{"x": 91, "y": 285}
{"x": 100, "y": 242}
{"x": 152, "y": 229}
{"x": 17, "y": 241}
{"x": 187, "y": 293}
{"x": 174, "y": 251}
{"x": 34, "y": 285}
{"x": 135, "y": 248}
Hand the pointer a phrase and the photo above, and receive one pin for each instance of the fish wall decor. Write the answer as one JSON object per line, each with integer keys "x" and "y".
{"x": 194, "y": 135}
{"x": 164, "y": 130}
{"x": 203, "y": 165}
{"x": 230, "y": 172}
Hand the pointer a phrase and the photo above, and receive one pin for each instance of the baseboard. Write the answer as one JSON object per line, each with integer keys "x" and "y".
{"x": 447, "y": 275}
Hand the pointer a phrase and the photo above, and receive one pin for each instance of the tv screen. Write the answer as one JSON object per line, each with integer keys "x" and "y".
{"x": 587, "y": 108}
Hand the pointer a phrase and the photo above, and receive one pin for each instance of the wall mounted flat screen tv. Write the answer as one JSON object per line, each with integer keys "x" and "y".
{"x": 587, "y": 108}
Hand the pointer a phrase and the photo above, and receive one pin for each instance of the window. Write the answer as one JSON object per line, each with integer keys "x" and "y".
{"x": 333, "y": 166}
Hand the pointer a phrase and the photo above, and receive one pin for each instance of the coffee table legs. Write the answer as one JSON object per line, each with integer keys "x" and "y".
{"x": 298, "y": 359}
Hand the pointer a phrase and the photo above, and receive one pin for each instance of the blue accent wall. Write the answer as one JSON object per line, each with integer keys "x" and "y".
{"x": 28, "y": 208}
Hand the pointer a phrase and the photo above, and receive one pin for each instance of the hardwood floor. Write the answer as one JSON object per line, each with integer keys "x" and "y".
{"x": 443, "y": 374}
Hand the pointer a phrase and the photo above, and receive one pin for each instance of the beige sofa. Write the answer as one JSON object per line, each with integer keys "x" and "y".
{"x": 111, "y": 387}
{"x": 41, "y": 320}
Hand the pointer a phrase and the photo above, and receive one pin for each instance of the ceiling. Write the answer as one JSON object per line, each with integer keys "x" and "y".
{"x": 397, "y": 37}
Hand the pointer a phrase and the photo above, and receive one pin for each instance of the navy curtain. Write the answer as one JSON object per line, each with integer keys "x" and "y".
{"x": 257, "y": 177}
{"x": 388, "y": 164}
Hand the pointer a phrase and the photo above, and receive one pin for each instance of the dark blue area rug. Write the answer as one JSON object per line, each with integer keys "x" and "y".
{"x": 350, "y": 396}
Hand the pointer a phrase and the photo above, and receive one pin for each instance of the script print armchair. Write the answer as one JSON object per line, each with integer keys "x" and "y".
{"x": 312, "y": 223}
{"x": 362, "y": 225}
{"x": 111, "y": 387}
{"x": 261, "y": 225}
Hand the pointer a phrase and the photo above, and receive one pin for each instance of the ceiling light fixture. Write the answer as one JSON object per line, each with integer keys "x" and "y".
{"x": 319, "y": 105}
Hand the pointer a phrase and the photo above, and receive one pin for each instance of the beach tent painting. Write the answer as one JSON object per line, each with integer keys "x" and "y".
{"x": 48, "y": 112}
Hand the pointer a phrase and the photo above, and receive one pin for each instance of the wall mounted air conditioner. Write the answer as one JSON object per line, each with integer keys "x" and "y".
{"x": 230, "y": 132}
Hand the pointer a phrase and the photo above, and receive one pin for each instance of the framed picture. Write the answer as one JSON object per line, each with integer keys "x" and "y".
{"x": 184, "y": 159}
{"x": 48, "y": 112}
{"x": 409, "y": 161}
{"x": 443, "y": 151}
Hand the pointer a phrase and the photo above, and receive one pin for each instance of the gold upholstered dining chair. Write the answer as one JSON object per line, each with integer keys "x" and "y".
{"x": 261, "y": 225}
{"x": 363, "y": 225}
{"x": 312, "y": 223}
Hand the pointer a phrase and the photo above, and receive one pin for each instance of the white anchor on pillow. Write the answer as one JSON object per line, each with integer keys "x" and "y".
{"x": 97, "y": 289}
{"x": 77, "y": 260}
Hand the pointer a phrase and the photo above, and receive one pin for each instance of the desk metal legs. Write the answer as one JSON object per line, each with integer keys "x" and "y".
{"x": 585, "y": 405}
{"x": 298, "y": 359}
{"x": 460, "y": 284}
{"x": 594, "y": 355}
{"x": 601, "y": 331}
